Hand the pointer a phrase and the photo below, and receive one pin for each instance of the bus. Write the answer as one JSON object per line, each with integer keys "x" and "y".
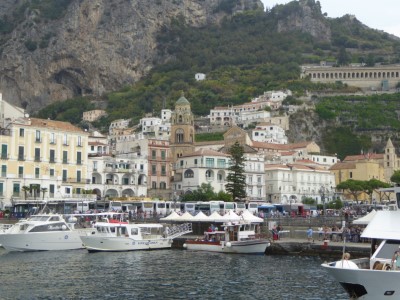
{"x": 266, "y": 209}
{"x": 228, "y": 206}
{"x": 252, "y": 207}
{"x": 240, "y": 207}
{"x": 188, "y": 207}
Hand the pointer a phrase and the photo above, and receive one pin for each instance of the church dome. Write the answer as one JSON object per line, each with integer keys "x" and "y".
{"x": 182, "y": 101}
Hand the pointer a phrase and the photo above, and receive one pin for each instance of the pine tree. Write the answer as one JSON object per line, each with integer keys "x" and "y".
{"x": 236, "y": 179}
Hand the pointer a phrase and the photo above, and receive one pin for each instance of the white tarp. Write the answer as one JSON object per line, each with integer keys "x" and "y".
{"x": 366, "y": 219}
{"x": 249, "y": 217}
{"x": 385, "y": 225}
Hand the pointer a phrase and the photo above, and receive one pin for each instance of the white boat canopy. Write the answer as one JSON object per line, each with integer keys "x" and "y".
{"x": 366, "y": 219}
{"x": 385, "y": 225}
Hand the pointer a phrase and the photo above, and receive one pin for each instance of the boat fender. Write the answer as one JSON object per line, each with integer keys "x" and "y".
{"x": 229, "y": 244}
{"x": 169, "y": 241}
{"x": 184, "y": 245}
{"x": 63, "y": 227}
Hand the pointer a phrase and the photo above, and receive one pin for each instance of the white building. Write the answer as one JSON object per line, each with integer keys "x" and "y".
{"x": 118, "y": 124}
{"x": 269, "y": 133}
{"x": 290, "y": 183}
{"x": 166, "y": 115}
{"x": 200, "y": 76}
{"x": 203, "y": 166}
{"x": 9, "y": 112}
{"x": 222, "y": 116}
{"x": 246, "y": 118}
{"x": 255, "y": 176}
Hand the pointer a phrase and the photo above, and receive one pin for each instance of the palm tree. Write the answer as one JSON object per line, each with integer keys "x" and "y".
{"x": 44, "y": 190}
{"x": 25, "y": 189}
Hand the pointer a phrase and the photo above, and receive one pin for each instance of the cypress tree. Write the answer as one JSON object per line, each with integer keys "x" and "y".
{"x": 236, "y": 179}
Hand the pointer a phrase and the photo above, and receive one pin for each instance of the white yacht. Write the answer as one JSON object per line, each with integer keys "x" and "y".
{"x": 41, "y": 232}
{"x": 375, "y": 277}
{"x": 116, "y": 236}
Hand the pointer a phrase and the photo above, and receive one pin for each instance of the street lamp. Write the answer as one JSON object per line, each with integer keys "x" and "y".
{"x": 322, "y": 191}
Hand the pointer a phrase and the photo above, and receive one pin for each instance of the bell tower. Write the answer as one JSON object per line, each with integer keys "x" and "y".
{"x": 182, "y": 129}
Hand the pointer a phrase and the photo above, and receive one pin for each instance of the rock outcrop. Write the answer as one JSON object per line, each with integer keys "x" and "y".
{"x": 94, "y": 47}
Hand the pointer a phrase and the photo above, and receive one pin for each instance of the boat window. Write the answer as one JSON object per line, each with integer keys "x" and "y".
{"x": 387, "y": 249}
{"x": 51, "y": 227}
{"x": 112, "y": 229}
{"x": 124, "y": 231}
{"x": 54, "y": 218}
{"x": 134, "y": 231}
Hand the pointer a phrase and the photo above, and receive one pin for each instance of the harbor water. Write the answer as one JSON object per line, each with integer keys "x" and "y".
{"x": 164, "y": 274}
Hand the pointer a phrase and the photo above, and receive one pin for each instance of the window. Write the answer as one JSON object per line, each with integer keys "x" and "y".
{"x": 153, "y": 154}
{"x": 163, "y": 156}
{"x": 209, "y": 175}
{"x": 163, "y": 185}
{"x": 51, "y": 190}
{"x": 4, "y": 151}
{"x": 79, "y": 158}
{"x": 79, "y": 141}
{"x": 21, "y": 155}
{"x": 153, "y": 185}
{"x": 163, "y": 170}
{"x": 3, "y": 171}
{"x": 1, "y": 189}
{"x": 125, "y": 180}
{"x": 221, "y": 163}
{"x": 52, "y": 172}
{"x": 209, "y": 162}
{"x": 188, "y": 174}
{"x": 37, "y": 172}
{"x": 37, "y": 154}
{"x": 78, "y": 176}
{"x": 16, "y": 189}
{"x": 153, "y": 170}
{"x": 65, "y": 157}
{"x": 65, "y": 141}
{"x": 37, "y": 136}
{"x": 21, "y": 132}
{"x": 351, "y": 174}
{"x": 52, "y": 138}
{"x": 64, "y": 175}
{"x": 95, "y": 166}
{"x": 20, "y": 172}
{"x": 195, "y": 161}
{"x": 52, "y": 155}
{"x": 179, "y": 137}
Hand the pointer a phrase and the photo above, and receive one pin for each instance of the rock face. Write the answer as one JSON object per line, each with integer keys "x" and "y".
{"x": 96, "y": 46}
{"x": 306, "y": 16}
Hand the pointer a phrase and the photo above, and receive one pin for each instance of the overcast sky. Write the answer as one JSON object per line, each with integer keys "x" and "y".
{"x": 383, "y": 14}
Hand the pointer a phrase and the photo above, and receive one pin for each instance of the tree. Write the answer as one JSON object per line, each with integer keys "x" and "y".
{"x": 353, "y": 187}
{"x": 395, "y": 177}
{"x": 236, "y": 179}
{"x": 43, "y": 190}
{"x": 25, "y": 189}
{"x": 373, "y": 185}
{"x": 344, "y": 58}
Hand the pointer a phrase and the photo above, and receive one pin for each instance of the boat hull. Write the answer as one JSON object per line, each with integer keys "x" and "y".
{"x": 116, "y": 244}
{"x": 241, "y": 247}
{"x": 41, "y": 241}
{"x": 367, "y": 284}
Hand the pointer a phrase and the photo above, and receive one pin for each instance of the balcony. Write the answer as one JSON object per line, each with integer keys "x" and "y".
{"x": 37, "y": 159}
{"x": 21, "y": 157}
{"x": 38, "y": 140}
{"x": 4, "y": 156}
{"x": 52, "y": 160}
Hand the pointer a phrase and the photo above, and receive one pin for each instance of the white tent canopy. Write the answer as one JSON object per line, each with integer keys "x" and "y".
{"x": 186, "y": 217}
{"x": 201, "y": 217}
{"x": 214, "y": 216}
{"x": 249, "y": 217}
{"x": 230, "y": 216}
{"x": 171, "y": 217}
{"x": 366, "y": 219}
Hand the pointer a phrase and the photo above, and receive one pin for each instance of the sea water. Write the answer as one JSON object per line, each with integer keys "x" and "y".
{"x": 162, "y": 274}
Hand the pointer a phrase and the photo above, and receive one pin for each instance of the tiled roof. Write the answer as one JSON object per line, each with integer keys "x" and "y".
{"x": 343, "y": 166}
{"x": 364, "y": 156}
{"x": 56, "y": 125}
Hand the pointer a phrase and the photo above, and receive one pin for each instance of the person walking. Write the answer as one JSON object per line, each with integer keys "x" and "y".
{"x": 310, "y": 234}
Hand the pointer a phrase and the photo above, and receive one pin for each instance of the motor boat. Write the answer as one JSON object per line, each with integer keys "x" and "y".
{"x": 376, "y": 277}
{"x": 113, "y": 236}
{"x": 41, "y": 232}
{"x": 234, "y": 237}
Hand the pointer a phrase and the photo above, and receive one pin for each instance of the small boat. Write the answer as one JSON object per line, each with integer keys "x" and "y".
{"x": 236, "y": 237}
{"x": 123, "y": 236}
{"x": 376, "y": 277}
{"x": 40, "y": 233}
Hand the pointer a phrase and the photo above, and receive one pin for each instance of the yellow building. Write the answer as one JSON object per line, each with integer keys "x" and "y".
{"x": 359, "y": 167}
{"x": 42, "y": 159}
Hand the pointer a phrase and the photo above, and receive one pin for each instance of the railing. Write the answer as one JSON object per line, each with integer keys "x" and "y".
{"x": 178, "y": 230}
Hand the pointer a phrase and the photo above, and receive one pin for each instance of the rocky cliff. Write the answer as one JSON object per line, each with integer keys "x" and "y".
{"x": 91, "y": 47}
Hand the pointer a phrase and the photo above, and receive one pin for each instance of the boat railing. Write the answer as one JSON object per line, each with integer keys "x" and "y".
{"x": 178, "y": 230}
{"x": 5, "y": 227}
